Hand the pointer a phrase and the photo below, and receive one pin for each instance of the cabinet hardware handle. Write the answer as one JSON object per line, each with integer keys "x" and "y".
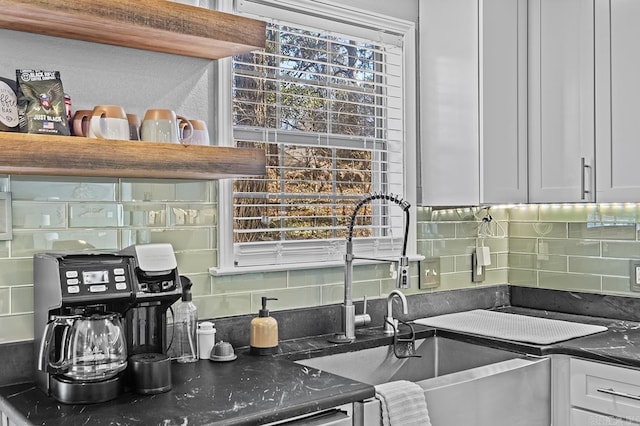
{"x": 616, "y": 393}
{"x": 583, "y": 167}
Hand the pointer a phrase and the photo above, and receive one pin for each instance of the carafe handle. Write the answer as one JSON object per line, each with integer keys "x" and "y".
{"x": 44, "y": 363}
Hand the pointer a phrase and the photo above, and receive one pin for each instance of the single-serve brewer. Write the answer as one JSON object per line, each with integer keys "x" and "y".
{"x": 93, "y": 312}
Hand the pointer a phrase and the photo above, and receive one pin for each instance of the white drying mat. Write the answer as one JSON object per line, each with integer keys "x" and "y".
{"x": 519, "y": 328}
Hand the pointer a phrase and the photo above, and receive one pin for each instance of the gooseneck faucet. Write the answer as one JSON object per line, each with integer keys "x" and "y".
{"x": 349, "y": 317}
{"x": 390, "y": 323}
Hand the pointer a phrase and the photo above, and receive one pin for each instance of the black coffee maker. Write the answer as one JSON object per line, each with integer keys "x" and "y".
{"x": 127, "y": 292}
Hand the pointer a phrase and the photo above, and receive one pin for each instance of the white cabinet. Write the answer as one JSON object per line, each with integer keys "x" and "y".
{"x": 583, "y": 100}
{"x": 561, "y": 100}
{"x": 582, "y": 418}
{"x": 473, "y": 101}
{"x": 617, "y": 94}
{"x": 603, "y": 394}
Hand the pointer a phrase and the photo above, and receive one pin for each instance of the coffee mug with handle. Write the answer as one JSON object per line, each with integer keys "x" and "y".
{"x": 199, "y": 135}
{"x": 162, "y": 125}
{"x": 80, "y": 122}
{"x": 134, "y": 127}
{"x": 109, "y": 122}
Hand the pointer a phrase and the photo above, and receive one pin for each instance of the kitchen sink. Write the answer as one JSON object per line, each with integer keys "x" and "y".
{"x": 464, "y": 383}
{"x": 439, "y": 356}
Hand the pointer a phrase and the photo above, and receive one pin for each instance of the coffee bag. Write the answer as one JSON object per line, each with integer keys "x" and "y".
{"x": 41, "y": 107}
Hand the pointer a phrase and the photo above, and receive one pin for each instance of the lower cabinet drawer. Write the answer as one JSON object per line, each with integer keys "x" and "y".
{"x": 586, "y": 418}
{"x": 605, "y": 389}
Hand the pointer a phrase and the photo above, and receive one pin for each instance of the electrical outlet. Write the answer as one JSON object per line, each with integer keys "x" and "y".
{"x": 634, "y": 275}
{"x": 429, "y": 273}
{"x": 477, "y": 271}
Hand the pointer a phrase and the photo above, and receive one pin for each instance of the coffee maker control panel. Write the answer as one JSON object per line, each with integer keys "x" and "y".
{"x": 110, "y": 278}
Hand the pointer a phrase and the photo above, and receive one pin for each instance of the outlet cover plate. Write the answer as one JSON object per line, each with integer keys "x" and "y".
{"x": 429, "y": 273}
{"x": 634, "y": 275}
{"x": 477, "y": 272}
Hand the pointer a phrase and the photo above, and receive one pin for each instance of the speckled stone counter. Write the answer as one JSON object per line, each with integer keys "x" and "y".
{"x": 620, "y": 344}
{"x": 257, "y": 390}
{"x": 249, "y": 390}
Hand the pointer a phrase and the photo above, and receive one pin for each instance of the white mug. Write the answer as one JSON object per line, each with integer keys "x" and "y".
{"x": 109, "y": 122}
{"x": 162, "y": 125}
{"x": 199, "y": 135}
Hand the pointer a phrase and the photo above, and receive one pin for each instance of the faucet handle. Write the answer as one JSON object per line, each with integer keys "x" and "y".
{"x": 364, "y": 318}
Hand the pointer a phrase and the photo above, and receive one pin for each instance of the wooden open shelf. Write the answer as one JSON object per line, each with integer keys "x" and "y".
{"x": 23, "y": 153}
{"x": 156, "y": 25}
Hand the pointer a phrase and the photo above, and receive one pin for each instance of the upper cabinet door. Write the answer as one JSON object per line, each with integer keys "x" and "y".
{"x": 617, "y": 95}
{"x": 449, "y": 146}
{"x": 561, "y": 101}
{"x": 473, "y": 101}
{"x": 503, "y": 101}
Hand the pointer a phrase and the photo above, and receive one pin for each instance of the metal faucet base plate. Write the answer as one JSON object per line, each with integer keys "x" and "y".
{"x": 341, "y": 338}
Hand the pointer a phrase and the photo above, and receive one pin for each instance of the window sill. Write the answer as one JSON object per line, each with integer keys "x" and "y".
{"x": 221, "y": 271}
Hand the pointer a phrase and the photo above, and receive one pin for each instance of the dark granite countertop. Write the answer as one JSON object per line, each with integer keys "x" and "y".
{"x": 620, "y": 344}
{"x": 250, "y": 390}
{"x": 258, "y": 390}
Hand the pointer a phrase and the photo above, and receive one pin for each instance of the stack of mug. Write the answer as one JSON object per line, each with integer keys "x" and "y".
{"x": 158, "y": 125}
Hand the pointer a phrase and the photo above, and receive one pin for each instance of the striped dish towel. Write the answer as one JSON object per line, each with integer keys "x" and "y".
{"x": 403, "y": 404}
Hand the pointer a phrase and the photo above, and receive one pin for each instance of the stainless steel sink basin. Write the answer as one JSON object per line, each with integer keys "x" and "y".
{"x": 440, "y": 356}
{"x": 464, "y": 383}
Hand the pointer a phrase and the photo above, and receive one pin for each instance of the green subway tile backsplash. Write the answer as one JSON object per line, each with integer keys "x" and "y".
{"x": 21, "y": 299}
{"x": 603, "y": 231}
{"x": 599, "y": 266}
{"x": 63, "y": 189}
{"x": 538, "y": 229}
{"x": 249, "y": 282}
{"x": 5, "y": 301}
{"x": 288, "y": 298}
{"x": 16, "y": 328}
{"x": 182, "y": 239}
{"x": 523, "y": 245}
{"x": 569, "y": 281}
{"x": 91, "y": 215}
{"x": 306, "y": 277}
{"x": 16, "y": 272}
{"x": 166, "y": 190}
{"x": 144, "y": 215}
{"x": 569, "y": 247}
{"x": 223, "y": 305}
{"x": 525, "y": 277}
{"x": 615, "y": 285}
{"x": 523, "y": 213}
{"x": 621, "y": 249}
{"x": 29, "y": 215}
{"x": 575, "y": 247}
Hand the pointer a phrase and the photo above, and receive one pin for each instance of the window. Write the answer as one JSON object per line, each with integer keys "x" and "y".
{"x": 327, "y": 108}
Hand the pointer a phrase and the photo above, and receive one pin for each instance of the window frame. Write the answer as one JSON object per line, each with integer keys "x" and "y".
{"x": 340, "y": 17}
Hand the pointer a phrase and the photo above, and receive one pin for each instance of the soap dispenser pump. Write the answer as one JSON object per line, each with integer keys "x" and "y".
{"x": 264, "y": 332}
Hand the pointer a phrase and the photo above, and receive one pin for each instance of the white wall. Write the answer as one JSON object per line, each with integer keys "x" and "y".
{"x": 94, "y": 74}
{"x": 402, "y": 9}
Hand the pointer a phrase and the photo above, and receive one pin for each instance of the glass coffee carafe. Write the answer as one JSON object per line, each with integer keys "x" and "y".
{"x": 84, "y": 348}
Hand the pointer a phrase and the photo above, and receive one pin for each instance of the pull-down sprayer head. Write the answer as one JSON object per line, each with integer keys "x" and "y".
{"x": 402, "y": 280}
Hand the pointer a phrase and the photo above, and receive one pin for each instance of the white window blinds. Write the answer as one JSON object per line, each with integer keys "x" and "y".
{"x": 327, "y": 109}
